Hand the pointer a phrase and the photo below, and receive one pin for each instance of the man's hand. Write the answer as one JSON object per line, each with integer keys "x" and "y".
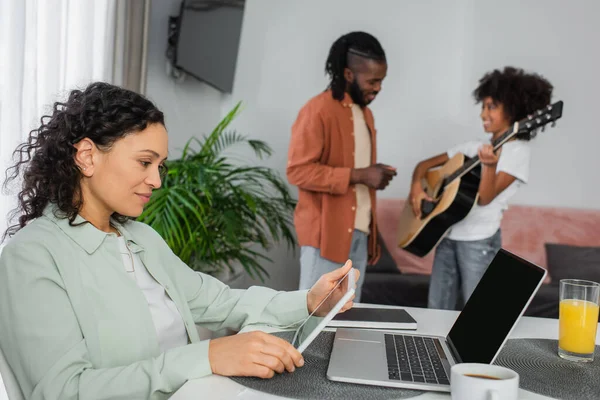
{"x": 324, "y": 285}
{"x": 252, "y": 354}
{"x": 376, "y": 176}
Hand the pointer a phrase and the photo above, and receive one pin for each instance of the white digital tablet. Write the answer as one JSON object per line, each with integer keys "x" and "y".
{"x": 316, "y": 322}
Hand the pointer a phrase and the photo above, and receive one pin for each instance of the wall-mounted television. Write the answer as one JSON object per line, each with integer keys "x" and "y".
{"x": 207, "y": 40}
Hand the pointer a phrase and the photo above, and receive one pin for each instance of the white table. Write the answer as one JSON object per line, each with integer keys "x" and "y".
{"x": 430, "y": 322}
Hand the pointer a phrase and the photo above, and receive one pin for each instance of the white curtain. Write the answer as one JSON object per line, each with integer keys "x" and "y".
{"x": 47, "y": 48}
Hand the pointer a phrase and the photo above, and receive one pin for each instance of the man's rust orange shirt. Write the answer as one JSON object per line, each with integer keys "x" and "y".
{"x": 320, "y": 159}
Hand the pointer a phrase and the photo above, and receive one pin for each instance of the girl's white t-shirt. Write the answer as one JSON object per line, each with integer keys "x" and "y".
{"x": 483, "y": 221}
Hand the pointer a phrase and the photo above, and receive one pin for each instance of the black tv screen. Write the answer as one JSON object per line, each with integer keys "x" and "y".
{"x": 208, "y": 40}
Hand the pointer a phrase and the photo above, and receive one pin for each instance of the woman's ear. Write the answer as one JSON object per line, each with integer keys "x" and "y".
{"x": 84, "y": 157}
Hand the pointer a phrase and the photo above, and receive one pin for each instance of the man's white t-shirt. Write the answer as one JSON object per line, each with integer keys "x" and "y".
{"x": 483, "y": 221}
{"x": 362, "y": 159}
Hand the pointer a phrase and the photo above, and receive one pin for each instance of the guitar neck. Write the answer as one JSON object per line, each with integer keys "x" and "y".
{"x": 475, "y": 161}
{"x": 540, "y": 118}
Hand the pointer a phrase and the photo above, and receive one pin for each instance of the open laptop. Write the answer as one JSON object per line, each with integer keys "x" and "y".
{"x": 423, "y": 362}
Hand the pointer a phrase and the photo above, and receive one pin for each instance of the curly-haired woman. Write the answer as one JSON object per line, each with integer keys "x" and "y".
{"x": 94, "y": 304}
{"x": 462, "y": 257}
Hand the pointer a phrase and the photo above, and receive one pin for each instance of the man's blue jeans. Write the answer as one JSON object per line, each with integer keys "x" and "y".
{"x": 312, "y": 265}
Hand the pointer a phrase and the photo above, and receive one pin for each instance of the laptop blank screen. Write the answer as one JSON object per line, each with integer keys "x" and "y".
{"x": 494, "y": 307}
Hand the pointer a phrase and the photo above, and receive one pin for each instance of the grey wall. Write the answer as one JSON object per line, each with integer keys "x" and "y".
{"x": 437, "y": 50}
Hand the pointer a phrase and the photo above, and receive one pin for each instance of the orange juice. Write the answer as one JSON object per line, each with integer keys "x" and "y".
{"x": 578, "y": 320}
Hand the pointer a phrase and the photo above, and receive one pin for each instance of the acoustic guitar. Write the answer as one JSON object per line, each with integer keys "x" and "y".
{"x": 454, "y": 189}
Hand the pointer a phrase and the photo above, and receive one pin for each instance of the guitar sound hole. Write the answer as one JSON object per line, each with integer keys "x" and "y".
{"x": 427, "y": 208}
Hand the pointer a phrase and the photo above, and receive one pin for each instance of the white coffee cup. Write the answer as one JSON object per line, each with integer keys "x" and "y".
{"x": 472, "y": 381}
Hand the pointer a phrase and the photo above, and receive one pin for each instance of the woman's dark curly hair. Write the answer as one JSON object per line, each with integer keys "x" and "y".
{"x": 519, "y": 92}
{"x": 101, "y": 112}
{"x": 359, "y": 43}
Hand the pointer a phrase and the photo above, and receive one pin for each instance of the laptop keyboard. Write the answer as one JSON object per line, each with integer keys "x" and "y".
{"x": 415, "y": 359}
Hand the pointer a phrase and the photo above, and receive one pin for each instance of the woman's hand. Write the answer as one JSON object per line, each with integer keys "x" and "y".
{"x": 252, "y": 354}
{"x": 324, "y": 285}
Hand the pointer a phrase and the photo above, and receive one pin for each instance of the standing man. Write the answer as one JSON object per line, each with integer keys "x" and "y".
{"x": 332, "y": 160}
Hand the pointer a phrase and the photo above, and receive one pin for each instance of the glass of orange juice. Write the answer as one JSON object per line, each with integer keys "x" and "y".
{"x": 578, "y": 319}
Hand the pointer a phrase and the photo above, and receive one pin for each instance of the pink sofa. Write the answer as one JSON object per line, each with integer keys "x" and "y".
{"x": 525, "y": 230}
{"x": 401, "y": 279}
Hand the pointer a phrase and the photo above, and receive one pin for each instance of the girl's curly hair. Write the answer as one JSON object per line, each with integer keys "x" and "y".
{"x": 520, "y": 93}
{"x": 101, "y": 112}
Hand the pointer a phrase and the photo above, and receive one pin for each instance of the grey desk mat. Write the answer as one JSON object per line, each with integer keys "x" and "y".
{"x": 540, "y": 368}
{"x": 542, "y": 371}
{"x": 310, "y": 381}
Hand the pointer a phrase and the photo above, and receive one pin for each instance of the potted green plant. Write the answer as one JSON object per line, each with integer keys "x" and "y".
{"x": 215, "y": 212}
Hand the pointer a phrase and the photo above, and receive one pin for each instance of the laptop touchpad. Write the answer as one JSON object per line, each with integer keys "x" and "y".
{"x": 358, "y": 358}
